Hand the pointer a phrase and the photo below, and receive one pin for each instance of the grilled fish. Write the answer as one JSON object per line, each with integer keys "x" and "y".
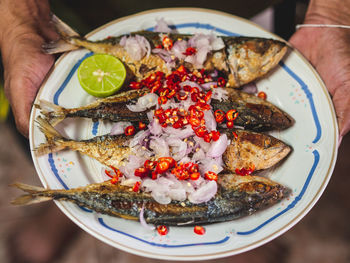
{"x": 249, "y": 149}
{"x": 237, "y": 196}
{"x": 254, "y": 113}
{"x": 242, "y": 59}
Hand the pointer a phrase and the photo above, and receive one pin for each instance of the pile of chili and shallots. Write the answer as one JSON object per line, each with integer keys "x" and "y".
{"x": 178, "y": 155}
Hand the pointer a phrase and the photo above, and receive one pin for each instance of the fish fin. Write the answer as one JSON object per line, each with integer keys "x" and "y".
{"x": 53, "y": 113}
{"x": 30, "y": 198}
{"x": 55, "y": 141}
{"x": 28, "y": 188}
{"x": 64, "y": 43}
{"x": 59, "y": 46}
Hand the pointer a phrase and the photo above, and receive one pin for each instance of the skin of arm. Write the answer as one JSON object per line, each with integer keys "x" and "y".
{"x": 24, "y": 28}
{"x": 328, "y": 51}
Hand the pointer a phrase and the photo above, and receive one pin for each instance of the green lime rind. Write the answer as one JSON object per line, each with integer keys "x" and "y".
{"x": 101, "y": 75}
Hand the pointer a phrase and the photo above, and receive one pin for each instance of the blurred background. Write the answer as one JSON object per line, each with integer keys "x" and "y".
{"x": 42, "y": 233}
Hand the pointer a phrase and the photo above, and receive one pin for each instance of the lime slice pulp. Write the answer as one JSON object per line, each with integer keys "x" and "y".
{"x": 101, "y": 75}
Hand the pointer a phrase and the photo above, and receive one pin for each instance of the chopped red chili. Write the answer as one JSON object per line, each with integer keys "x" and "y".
{"x": 231, "y": 115}
{"x": 262, "y": 95}
{"x": 215, "y": 135}
{"x": 130, "y": 130}
{"x": 190, "y": 51}
{"x": 167, "y": 43}
{"x": 195, "y": 176}
{"x": 136, "y": 187}
{"x": 221, "y": 82}
{"x": 243, "y": 171}
{"x": 211, "y": 176}
{"x": 142, "y": 126}
{"x": 141, "y": 172}
{"x": 230, "y": 124}
{"x": 162, "y": 230}
{"x": 219, "y": 116}
{"x": 199, "y": 230}
{"x": 162, "y": 166}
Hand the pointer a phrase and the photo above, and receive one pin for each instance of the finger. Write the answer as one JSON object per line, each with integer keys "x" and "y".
{"x": 341, "y": 100}
{"x": 25, "y": 68}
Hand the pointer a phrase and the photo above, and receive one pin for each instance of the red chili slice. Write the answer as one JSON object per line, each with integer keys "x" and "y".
{"x": 170, "y": 160}
{"x": 108, "y": 173}
{"x": 208, "y": 96}
{"x": 171, "y": 94}
{"x": 162, "y": 230}
{"x": 211, "y": 176}
{"x": 134, "y": 85}
{"x": 154, "y": 175}
{"x": 142, "y": 126}
{"x": 207, "y": 137}
{"x": 136, "y": 187}
{"x": 182, "y": 97}
{"x": 195, "y": 122}
{"x": 219, "y": 116}
{"x": 141, "y": 172}
{"x": 200, "y": 131}
{"x": 215, "y": 135}
{"x": 243, "y": 171}
{"x": 162, "y": 166}
{"x": 150, "y": 164}
{"x": 162, "y": 100}
{"x": 235, "y": 135}
{"x": 114, "y": 180}
{"x": 194, "y": 168}
{"x": 221, "y": 82}
{"x": 231, "y": 115}
{"x": 130, "y": 130}
{"x": 199, "y": 230}
{"x": 179, "y": 124}
{"x": 194, "y": 176}
{"x": 167, "y": 43}
{"x": 190, "y": 51}
{"x": 230, "y": 124}
{"x": 262, "y": 95}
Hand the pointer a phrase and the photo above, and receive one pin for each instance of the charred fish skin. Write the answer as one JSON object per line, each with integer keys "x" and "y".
{"x": 236, "y": 198}
{"x": 243, "y": 59}
{"x": 255, "y": 113}
{"x": 110, "y": 150}
{"x": 253, "y": 150}
{"x": 248, "y": 150}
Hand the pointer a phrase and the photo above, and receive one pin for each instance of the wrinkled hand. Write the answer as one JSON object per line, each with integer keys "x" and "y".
{"x": 328, "y": 50}
{"x": 25, "y": 63}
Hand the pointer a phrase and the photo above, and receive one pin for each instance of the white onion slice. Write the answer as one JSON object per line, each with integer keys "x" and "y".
{"x": 210, "y": 121}
{"x": 219, "y": 94}
{"x": 162, "y": 26}
{"x": 136, "y": 46}
{"x": 250, "y": 88}
{"x": 143, "y": 221}
{"x": 206, "y": 192}
{"x": 159, "y": 146}
{"x": 154, "y": 127}
{"x": 219, "y": 147}
{"x": 119, "y": 127}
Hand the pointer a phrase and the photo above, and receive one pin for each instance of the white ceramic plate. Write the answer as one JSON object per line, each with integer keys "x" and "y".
{"x": 294, "y": 86}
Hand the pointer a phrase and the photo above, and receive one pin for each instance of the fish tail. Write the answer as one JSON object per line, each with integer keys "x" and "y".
{"x": 55, "y": 141}
{"x": 65, "y": 43}
{"x": 53, "y": 113}
{"x": 35, "y": 195}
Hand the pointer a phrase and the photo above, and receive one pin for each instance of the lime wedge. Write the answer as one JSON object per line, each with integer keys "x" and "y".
{"x": 101, "y": 75}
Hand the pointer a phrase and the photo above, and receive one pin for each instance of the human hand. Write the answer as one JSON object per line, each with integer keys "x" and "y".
{"x": 328, "y": 51}
{"x": 24, "y": 29}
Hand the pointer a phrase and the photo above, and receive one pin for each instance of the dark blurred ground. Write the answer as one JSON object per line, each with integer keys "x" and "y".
{"x": 322, "y": 236}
